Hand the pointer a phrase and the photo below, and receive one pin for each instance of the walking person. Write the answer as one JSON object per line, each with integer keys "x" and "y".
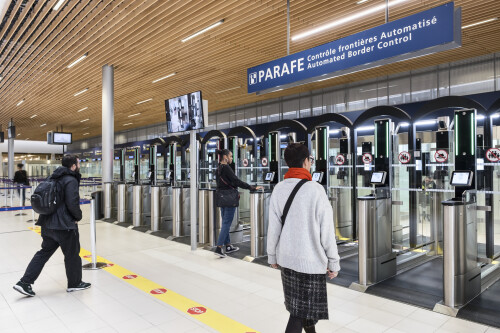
{"x": 21, "y": 179}
{"x": 302, "y": 241}
{"x": 60, "y": 230}
{"x": 227, "y": 181}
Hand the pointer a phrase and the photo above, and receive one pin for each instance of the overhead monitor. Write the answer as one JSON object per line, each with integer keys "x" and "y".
{"x": 117, "y": 157}
{"x": 462, "y": 178}
{"x": 317, "y": 176}
{"x": 186, "y": 112}
{"x": 61, "y": 138}
{"x": 2, "y": 137}
{"x": 269, "y": 177}
{"x": 378, "y": 177}
{"x": 11, "y": 132}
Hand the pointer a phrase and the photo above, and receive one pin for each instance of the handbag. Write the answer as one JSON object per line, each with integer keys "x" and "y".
{"x": 227, "y": 198}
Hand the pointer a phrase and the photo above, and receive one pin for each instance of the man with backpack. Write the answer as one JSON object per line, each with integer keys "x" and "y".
{"x": 21, "y": 179}
{"x": 58, "y": 200}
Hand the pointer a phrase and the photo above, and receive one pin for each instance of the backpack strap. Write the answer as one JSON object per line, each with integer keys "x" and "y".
{"x": 290, "y": 199}
{"x": 220, "y": 177}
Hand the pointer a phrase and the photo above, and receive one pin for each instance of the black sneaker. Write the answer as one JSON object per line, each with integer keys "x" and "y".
{"x": 81, "y": 286}
{"x": 218, "y": 252}
{"x": 24, "y": 288}
{"x": 231, "y": 249}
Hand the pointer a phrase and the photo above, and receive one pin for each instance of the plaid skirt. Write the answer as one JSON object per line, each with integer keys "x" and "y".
{"x": 305, "y": 295}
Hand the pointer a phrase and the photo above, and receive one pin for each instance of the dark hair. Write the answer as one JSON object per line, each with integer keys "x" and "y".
{"x": 20, "y": 165}
{"x": 295, "y": 155}
{"x": 223, "y": 152}
{"x": 69, "y": 160}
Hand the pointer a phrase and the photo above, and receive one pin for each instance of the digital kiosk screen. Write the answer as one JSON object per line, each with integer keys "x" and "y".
{"x": 378, "y": 177}
{"x": 317, "y": 176}
{"x": 269, "y": 177}
{"x": 461, "y": 178}
{"x": 185, "y": 113}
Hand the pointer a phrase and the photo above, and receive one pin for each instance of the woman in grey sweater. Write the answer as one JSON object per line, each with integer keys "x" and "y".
{"x": 303, "y": 245}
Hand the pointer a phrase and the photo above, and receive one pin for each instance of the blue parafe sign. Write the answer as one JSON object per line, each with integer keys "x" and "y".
{"x": 434, "y": 30}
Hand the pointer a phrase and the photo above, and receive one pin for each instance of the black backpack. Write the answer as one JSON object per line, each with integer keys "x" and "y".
{"x": 47, "y": 197}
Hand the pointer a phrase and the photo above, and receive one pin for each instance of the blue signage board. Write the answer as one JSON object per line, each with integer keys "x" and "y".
{"x": 437, "y": 29}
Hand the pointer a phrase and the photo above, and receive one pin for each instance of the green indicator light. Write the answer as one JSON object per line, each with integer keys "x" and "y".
{"x": 387, "y": 138}
{"x": 473, "y": 134}
{"x": 456, "y": 135}
{"x": 376, "y": 140}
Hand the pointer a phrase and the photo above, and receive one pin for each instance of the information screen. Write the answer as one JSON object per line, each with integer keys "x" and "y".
{"x": 461, "y": 178}
{"x": 185, "y": 113}
{"x": 378, "y": 177}
{"x": 317, "y": 176}
{"x": 60, "y": 138}
{"x": 269, "y": 177}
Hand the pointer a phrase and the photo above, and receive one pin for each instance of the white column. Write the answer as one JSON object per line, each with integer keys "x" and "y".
{"x": 108, "y": 127}
{"x": 10, "y": 153}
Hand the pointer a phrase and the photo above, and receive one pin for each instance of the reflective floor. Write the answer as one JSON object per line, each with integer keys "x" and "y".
{"x": 245, "y": 294}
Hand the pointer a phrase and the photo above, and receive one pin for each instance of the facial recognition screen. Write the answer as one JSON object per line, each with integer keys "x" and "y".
{"x": 461, "y": 178}
{"x": 378, "y": 177}
{"x": 269, "y": 177}
{"x": 317, "y": 176}
{"x": 185, "y": 113}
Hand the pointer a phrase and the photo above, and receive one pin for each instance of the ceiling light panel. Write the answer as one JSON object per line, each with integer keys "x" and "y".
{"x": 81, "y": 92}
{"x": 78, "y": 60}
{"x": 203, "y": 31}
{"x": 163, "y": 78}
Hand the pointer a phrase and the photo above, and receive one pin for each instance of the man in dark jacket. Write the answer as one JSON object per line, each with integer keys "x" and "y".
{"x": 21, "y": 179}
{"x": 60, "y": 229}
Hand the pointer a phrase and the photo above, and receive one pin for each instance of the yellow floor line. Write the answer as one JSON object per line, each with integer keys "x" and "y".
{"x": 197, "y": 311}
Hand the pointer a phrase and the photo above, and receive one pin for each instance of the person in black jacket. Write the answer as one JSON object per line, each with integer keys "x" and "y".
{"x": 60, "y": 230}
{"x": 226, "y": 179}
{"x": 21, "y": 179}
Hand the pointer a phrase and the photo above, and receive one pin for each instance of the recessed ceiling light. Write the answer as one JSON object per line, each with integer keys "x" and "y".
{"x": 147, "y": 100}
{"x": 81, "y": 92}
{"x": 165, "y": 77}
{"x": 133, "y": 115}
{"x": 33, "y": 116}
{"x": 127, "y": 124}
{"x": 86, "y": 133}
{"x": 84, "y": 120}
{"x": 1, "y": 77}
{"x": 361, "y": 1}
{"x": 27, "y": 139}
{"x": 478, "y": 23}
{"x": 20, "y": 102}
{"x": 58, "y": 5}
{"x": 344, "y": 20}
{"x": 218, "y": 92}
{"x": 19, "y": 134}
{"x": 85, "y": 108}
{"x": 202, "y": 31}
{"x": 78, "y": 60}
{"x": 43, "y": 125}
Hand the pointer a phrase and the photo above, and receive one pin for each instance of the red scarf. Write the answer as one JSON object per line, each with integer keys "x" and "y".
{"x": 299, "y": 173}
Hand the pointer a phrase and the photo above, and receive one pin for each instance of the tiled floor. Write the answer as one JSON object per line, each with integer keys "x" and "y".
{"x": 248, "y": 293}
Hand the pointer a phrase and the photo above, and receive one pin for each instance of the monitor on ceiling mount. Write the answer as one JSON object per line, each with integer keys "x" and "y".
{"x": 62, "y": 138}
{"x": 186, "y": 112}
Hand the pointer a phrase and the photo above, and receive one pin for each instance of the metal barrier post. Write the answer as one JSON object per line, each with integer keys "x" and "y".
{"x": 94, "y": 264}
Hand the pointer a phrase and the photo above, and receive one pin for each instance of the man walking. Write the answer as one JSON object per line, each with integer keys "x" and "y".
{"x": 60, "y": 229}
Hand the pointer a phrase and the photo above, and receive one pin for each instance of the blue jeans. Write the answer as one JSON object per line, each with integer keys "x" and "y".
{"x": 227, "y": 219}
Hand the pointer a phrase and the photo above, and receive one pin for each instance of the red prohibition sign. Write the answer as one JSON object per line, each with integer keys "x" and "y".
{"x": 264, "y": 161}
{"x": 340, "y": 160}
{"x": 129, "y": 277}
{"x": 441, "y": 155}
{"x": 493, "y": 154}
{"x": 404, "y": 157}
{"x": 245, "y": 162}
{"x": 367, "y": 158}
{"x": 197, "y": 310}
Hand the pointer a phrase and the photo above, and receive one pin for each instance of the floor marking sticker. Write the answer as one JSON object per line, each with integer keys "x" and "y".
{"x": 197, "y": 311}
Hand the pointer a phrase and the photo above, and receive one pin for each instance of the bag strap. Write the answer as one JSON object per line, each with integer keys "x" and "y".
{"x": 220, "y": 177}
{"x": 290, "y": 199}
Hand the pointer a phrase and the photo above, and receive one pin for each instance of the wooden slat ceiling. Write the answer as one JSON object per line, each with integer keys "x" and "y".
{"x": 142, "y": 39}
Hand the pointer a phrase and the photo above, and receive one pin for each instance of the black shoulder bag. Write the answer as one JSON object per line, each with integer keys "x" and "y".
{"x": 289, "y": 201}
{"x": 226, "y": 198}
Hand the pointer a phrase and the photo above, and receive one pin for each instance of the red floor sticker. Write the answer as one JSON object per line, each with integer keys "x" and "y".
{"x": 89, "y": 256}
{"x": 129, "y": 277}
{"x": 158, "y": 291}
{"x": 197, "y": 310}
{"x": 110, "y": 265}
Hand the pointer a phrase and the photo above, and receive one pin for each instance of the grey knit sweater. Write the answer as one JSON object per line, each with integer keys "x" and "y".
{"x": 307, "y": 242}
